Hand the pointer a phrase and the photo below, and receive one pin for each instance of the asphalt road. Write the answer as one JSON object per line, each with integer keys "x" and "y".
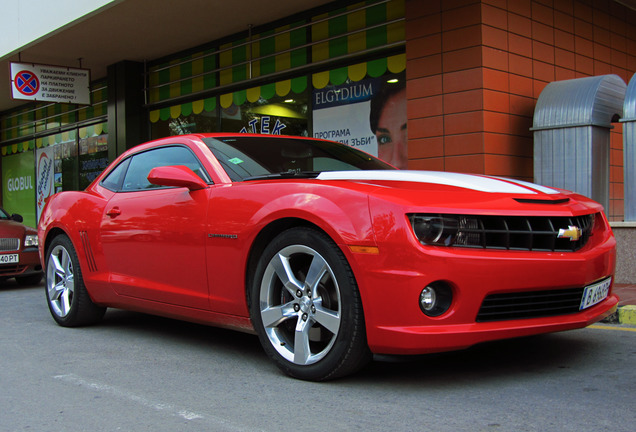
{"x": 135, "y": 372}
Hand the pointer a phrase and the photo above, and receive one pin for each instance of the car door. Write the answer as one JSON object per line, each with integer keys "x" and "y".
{"x": 153, "y": 237}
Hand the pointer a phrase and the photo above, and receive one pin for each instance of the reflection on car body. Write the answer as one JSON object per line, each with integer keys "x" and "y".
{"x": 327, "y": 253}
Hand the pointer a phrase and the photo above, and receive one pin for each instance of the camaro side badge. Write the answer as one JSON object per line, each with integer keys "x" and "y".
{"x": 225, "y": 236}
{"x": 573, "y": 233}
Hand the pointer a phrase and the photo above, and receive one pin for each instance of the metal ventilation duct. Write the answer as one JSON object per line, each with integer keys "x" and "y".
{"x": 572, "y": 123}
{"x": 629, "y": 149}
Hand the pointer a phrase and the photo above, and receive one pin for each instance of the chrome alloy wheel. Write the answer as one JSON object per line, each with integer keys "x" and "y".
{"x": 300, "y": 304}
{"x": 60, "y": 281}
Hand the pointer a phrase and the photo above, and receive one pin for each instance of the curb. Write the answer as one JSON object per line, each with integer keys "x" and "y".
{"x": 623, "y": 315}
{"x": 627, "y": 314}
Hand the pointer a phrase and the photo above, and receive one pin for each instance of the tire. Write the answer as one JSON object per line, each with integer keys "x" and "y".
{"x": 306, "y": 308}
{"x": 28, "y": 280}
{"x": 66, "y": 294}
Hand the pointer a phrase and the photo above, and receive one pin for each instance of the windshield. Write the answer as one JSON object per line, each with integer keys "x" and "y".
{"x": 249, "y": 157}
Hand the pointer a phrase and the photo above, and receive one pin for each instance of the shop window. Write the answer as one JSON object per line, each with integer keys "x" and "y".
{"x": 78, "y": 156}
{"x": 18, "y": 186}
{"x": 93, "y": 157}
{"x": 369, "y": 114}
{"x": 275, "y": 116}
{"x": 66, "y": 170}
{"x": 194, "y": 123}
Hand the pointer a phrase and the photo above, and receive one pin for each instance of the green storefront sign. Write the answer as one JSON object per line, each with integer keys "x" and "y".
{"x": 18, "y": 186}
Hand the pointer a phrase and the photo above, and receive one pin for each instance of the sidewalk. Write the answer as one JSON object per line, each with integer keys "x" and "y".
{"x": 626, "y": 313}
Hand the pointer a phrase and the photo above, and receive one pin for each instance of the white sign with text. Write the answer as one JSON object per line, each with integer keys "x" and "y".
{"x": 50, "y": 83}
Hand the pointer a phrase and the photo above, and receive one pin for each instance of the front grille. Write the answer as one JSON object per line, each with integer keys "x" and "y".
{"x": 11, "y": 269}
{"x": 533, "y": 304}
{"x": 9, "y": 244}
{"x": 531, "y": 233}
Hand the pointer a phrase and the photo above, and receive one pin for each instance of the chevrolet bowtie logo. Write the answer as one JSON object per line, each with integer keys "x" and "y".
{"x": 573, "y": 233}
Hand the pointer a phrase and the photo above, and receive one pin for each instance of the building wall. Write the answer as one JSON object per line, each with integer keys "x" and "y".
{"x": 475, "y": 70}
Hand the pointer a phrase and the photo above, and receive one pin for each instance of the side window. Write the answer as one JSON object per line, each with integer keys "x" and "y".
{"x": 141, "y": 164}
{"x": 115, "y": 178}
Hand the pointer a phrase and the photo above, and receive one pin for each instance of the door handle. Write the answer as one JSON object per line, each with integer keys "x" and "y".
{"x": 114, "y": 212}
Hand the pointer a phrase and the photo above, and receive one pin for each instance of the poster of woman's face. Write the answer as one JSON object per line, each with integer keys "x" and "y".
{"x": 387, "y": 119}
{"x": 368, "y": 114}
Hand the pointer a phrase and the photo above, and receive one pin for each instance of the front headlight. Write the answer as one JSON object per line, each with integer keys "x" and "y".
{"x": 446, "y": 230}
{"x": 31, "y": 240}
{"x": 434, "y": 229}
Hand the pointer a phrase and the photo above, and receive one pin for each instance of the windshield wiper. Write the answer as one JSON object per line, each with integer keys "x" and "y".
{"x": 285, "y": 175}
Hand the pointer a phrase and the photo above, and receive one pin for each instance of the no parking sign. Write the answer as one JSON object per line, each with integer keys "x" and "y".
{"x": 27, "y": 83}
{"x": 31, "y": 81}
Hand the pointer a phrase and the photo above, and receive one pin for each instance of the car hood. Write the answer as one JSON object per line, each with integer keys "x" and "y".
{"x": 462, "y": 192}
{"x": 12, "y": 229}
{"x": 474, "y": 182}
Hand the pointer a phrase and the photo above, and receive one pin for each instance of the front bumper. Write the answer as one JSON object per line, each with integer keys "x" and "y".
{"x": 390, "y": 293}
{"x": 438, "y": 338}
{"x": 28, "y": 264}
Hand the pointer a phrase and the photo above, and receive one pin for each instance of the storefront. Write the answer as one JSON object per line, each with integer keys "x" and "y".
{"x": 56, "y": 147}
{"x": 319, "y": 77}
{"x": 328, "y": 75}
{"x": 462, "y": 80}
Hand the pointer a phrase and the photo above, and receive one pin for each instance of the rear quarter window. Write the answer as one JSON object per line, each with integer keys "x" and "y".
{"x": 114, "y": 179}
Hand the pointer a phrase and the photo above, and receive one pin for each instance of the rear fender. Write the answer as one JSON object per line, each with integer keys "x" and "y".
{"x": 77, "y": 215}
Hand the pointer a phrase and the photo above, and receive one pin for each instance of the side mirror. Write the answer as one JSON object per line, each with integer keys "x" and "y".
{"x": 176, "y": 176}
{"x": 17, "y": 217}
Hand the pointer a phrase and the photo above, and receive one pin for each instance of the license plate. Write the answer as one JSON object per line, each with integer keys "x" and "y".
{"x": 596, "y": 293}
{"x": 9, "y": 258}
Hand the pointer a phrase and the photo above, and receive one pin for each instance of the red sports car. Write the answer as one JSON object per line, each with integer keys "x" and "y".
{"x": 19, "y": 257}
{"x": 328, "y": 254}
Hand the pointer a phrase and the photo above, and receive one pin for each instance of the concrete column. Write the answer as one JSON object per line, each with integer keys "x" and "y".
{"x": 127, "y": 118}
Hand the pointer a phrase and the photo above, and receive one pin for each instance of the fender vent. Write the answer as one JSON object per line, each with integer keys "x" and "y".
{"x": 88, "y": 251}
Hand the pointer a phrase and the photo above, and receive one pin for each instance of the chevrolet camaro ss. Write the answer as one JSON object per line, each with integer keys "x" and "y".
{"x": 328, "y": 254}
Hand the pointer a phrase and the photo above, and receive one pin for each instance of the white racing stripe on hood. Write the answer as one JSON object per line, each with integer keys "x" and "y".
{"x": 466, "y": 181}
{"x": 540, "y": 188}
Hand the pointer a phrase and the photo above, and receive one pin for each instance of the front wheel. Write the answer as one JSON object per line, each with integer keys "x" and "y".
{"x": 66, "y": 294}
{"x": 306, "y": 308}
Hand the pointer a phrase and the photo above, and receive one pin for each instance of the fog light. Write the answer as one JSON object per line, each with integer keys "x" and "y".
{"x": 428, "y": 298}
{"x": 436, "y": 299}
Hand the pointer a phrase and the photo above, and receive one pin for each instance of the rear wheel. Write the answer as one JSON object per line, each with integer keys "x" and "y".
{"x": 66, "y": 294}
{"x": 306, "y": 307}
